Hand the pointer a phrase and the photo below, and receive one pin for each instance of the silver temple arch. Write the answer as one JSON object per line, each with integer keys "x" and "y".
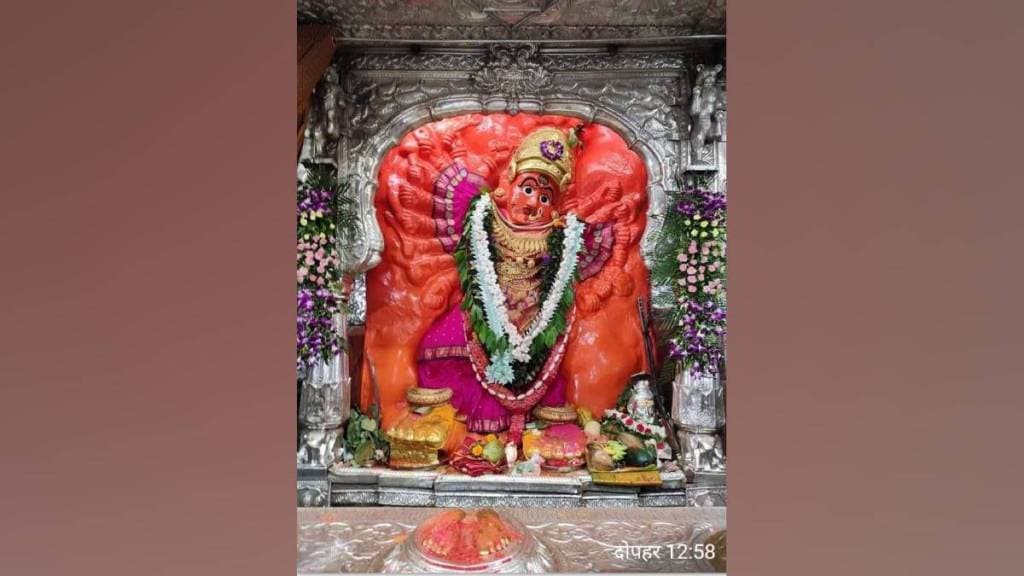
{"x": 367, "y": 167}
{"x": 374, "y": 94}
{"x": 371, "y": 97}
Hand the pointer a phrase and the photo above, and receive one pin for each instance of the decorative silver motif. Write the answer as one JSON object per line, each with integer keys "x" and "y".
{"x": 324, "y": 117}
{"x": 318, "y": 448}
{"x": 511, "y": 13}
{"x": 610, "y": 500}
{"x": 357, "y": 302}
{"x": 325, "y": 396}
{"x": 411, "y": 33}
{"x": 505, "y": 500}
{"x": 660, "y": 499}
{"x": 512, "y": 70}
{"x": 350, "y": 486}
{"x": 570, "y": 483}
{"x": 702, "y": 452}
{"x": 405, "y": 497}
{"x": 313, "y": 494}
{"x": 711, "y": 496}
{"x": 482, "y": 20}
{"x": 706, "y": 113}
{"x": 670, "y": 493}
{"x": 698, "y": 402}
{"x": 354, "y": 496}
{"x": 638, "y": 93}
{"x": 636, "y": 62}
{"x": 346, "y": 541}
{"x": 324, "y": 405}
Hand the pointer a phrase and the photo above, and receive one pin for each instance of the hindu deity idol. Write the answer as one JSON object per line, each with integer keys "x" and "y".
{"x": 510, "y": 281}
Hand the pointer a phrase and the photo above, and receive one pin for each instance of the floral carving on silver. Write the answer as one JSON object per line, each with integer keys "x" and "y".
{"x": 511, "y": 13}
{"x": 512, "y": 70}
{"x": 702, "y": 452}
{"x": 698, "y": 402}
{"x": 469, "y": 20}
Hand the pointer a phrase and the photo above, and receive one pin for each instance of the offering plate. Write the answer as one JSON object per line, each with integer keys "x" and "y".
{"x": 468, "y": 541}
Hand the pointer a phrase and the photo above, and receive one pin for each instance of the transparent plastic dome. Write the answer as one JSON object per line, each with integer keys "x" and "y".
{"x": 471, "y": 541}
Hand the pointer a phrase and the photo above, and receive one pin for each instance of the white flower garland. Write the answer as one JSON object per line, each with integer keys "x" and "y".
{"x": 495, "y": 308}
{"x": 636, "y": 425}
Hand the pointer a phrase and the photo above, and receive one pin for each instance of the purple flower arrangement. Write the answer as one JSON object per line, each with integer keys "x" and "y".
{"x": 318, "y": 276}
{"x": 699, "y": 282}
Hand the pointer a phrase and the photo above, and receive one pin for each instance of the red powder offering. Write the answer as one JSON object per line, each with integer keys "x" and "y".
{"x": 462, "y": 537}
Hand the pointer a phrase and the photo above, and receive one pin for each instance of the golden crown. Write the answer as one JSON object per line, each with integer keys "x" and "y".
{"x": 546, "y": 150}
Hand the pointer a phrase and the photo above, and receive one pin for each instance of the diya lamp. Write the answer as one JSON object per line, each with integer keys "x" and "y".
{"x": 417, "y": 438}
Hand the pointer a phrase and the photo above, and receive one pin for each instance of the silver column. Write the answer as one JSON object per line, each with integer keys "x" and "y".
{"x": 698, "y": 402}
{"x": 325, "y": 397}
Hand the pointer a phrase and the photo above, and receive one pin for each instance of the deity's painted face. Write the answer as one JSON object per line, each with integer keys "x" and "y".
{"x": 532, "y": 200}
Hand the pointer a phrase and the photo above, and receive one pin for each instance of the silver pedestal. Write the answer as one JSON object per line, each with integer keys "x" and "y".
{"x": 698, "y": 408}
{"x": 324, "y": 406}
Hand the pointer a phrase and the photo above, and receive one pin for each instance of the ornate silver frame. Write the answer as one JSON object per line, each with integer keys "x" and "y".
{"x": 372, "y": 96}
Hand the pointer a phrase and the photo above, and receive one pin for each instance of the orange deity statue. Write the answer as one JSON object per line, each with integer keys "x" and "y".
{"x": 510, "y": 269}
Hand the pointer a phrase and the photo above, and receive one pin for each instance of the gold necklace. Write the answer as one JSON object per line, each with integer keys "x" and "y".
{"x": 521, "y": 243}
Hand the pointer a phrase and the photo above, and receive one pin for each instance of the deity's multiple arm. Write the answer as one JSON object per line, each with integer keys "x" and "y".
{"x": 436, "y": 172}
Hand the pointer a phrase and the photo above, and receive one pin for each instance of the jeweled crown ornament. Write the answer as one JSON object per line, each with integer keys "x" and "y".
{"x": 546, "y": 150}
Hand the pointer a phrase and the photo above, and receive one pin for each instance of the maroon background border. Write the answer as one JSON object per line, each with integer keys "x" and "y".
{"x": 145, "y": 363}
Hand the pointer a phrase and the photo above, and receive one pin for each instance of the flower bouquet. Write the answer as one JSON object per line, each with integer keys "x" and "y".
{"x": 690, "y": 263}
{"x": 325, "y": 222}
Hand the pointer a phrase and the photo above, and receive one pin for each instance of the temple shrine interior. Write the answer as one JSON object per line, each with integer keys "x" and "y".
{"x": 511, "y": 285}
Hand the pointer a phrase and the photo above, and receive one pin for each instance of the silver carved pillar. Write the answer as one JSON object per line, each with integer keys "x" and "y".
{"x": 324, "y": 407}
{"x": 698, "y": 408}
{"x": 698, "y": 402}
{"x": 325, "y": 387}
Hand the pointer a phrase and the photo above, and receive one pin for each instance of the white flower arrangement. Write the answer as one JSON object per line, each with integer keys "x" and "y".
{"x": 495, "y": 307}
{"x": 635, "y": 425}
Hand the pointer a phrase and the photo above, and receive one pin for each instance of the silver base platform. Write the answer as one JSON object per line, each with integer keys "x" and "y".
{"x": 443, "y": 488}
{"x": 345, "y": 540}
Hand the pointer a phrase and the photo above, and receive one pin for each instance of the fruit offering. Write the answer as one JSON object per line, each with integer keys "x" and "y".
{"x": 478, "y": 456}
{"x": 615, "y": 455}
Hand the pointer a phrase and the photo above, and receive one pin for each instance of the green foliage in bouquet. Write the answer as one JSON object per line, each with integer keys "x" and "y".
{"x": 326, "y": 224}
{"x": 689, "y": 276}
{"x": 364, "y": 440}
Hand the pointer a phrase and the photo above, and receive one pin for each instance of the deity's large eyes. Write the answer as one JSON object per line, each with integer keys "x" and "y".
{"x": 528, "y": 190}
{"x": 544, "y": 199}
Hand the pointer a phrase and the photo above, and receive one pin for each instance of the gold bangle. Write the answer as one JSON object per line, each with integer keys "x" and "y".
{"x": 428, "y": 396}
{"x": 565, "y": 413}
